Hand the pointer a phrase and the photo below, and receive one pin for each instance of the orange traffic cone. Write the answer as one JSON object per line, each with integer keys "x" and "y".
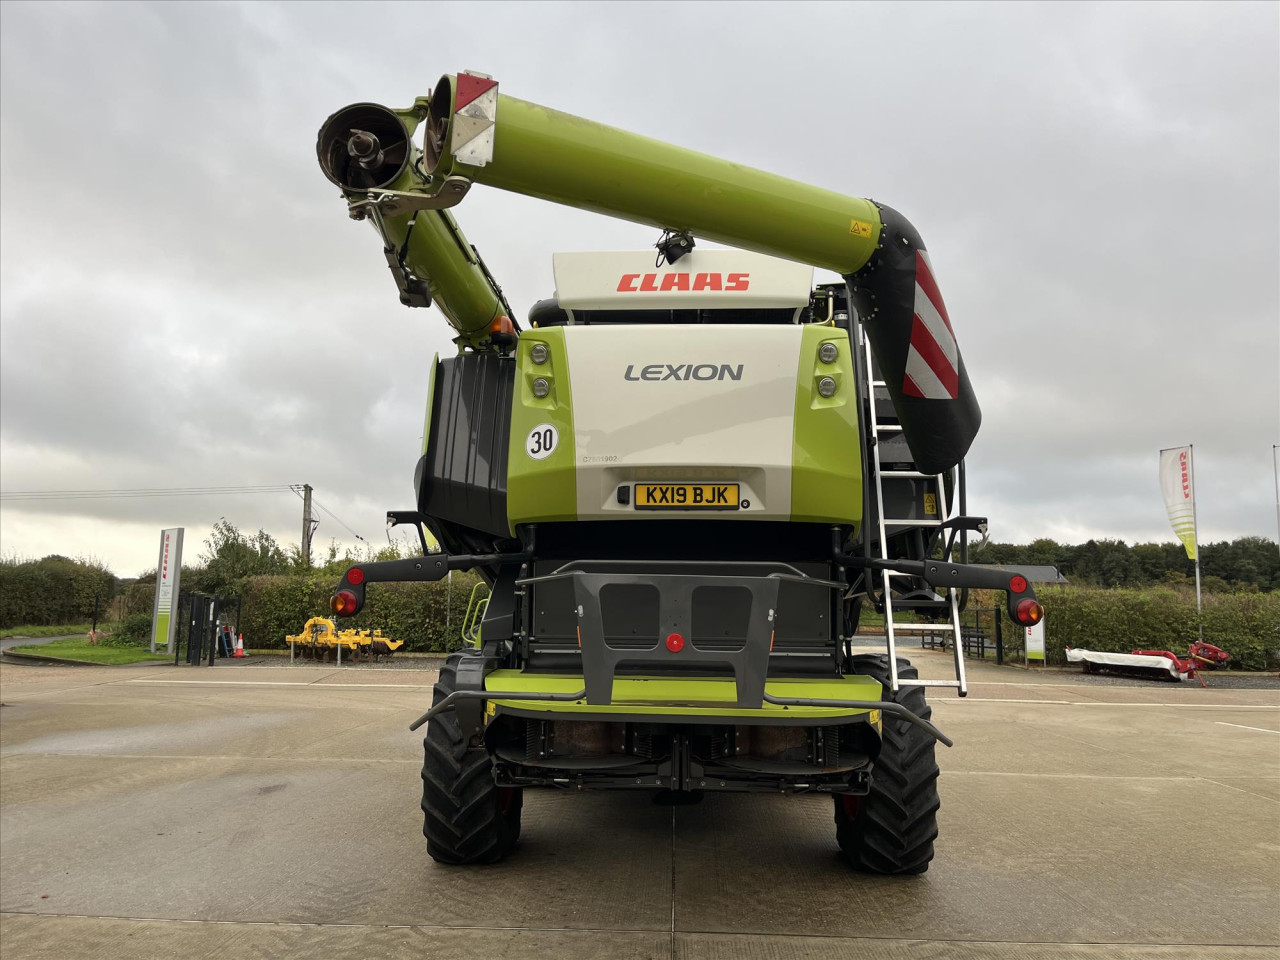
{"x": 239, "y": 651}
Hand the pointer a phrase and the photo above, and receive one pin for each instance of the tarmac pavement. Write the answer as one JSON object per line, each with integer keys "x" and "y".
{"x": 247, "y": 811}
{"x": 8, "y": 643}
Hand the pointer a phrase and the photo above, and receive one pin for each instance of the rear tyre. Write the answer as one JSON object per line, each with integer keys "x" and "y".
{"x": 467, "y": 817}
{"x": 891, "y": 830}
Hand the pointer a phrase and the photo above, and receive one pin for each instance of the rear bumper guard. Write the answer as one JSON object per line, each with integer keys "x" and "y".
{"x": 675, "y": 583}
{"x": 452, "y": 700}
{"x": 888, "y": 708}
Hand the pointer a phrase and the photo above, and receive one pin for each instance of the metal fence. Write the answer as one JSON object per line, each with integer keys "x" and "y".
{"x": 204, "y": 616}
{"x": 985, "y": 634}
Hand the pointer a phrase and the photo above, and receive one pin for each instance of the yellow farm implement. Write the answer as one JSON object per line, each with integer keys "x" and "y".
{"x": 320, "y": 639}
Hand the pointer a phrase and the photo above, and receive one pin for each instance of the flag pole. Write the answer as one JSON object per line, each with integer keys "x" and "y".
{"x": 1177, "y": 484}
{"x": 1275, "y": 457}
{"x": 1195, "y": 533}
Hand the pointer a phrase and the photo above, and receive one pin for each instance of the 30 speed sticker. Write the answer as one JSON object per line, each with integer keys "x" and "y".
{"x": 542, "y": 441}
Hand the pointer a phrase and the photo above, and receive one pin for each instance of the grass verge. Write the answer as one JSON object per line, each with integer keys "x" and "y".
{"x": 63, "y": 631}
{"x": 78, "y": 649}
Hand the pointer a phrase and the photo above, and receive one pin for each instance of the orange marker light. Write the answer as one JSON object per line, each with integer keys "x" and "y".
{"x": 344, "y": 603}
{"x": 1028, "y": 613}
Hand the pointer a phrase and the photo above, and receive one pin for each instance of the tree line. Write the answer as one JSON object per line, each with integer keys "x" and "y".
{"x": 58, "y": 590}
{"x": 62, "y": 590}
{"x": 1244, "y": 565}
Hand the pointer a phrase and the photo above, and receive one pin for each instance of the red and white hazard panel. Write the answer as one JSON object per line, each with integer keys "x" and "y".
{"x": 475, "y": 110}
{"x": 933, "y": 358}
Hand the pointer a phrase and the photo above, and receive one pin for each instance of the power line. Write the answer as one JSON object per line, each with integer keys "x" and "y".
{"x": 333, "y": 516}
{"x": 141, "y": 492}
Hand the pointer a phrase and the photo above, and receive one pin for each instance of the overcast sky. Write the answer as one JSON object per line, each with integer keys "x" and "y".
{"x": 183, "y": 301}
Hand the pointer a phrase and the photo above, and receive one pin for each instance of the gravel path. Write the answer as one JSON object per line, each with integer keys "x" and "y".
{"x": 391, "y": 663}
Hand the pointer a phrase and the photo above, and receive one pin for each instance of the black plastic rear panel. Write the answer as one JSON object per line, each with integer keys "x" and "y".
{"x": 462, "y": 478}
{"x": 719, "y": 619}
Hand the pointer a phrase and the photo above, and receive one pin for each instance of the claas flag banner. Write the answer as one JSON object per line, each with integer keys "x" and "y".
{"x": 1177, "y": 483}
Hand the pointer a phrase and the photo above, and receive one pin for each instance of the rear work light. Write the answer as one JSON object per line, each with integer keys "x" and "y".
{"x": 344, "y": 603}
{"x": 1028, "y": 613}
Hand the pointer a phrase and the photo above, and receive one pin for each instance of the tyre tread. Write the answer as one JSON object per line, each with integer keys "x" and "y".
{"x": 462, "y": 818}
{"x": 897, "y": 821}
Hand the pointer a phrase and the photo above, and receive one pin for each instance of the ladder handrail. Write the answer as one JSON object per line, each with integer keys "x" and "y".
{"x": 475, "y": 611}
{"x": 944, "y": 514}
{"x": 481, "y": 607}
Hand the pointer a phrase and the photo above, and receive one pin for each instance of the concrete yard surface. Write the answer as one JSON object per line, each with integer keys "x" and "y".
{"x": 273, "y": 811}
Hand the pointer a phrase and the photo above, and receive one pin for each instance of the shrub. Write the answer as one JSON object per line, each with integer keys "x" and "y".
{"x": 1246, "y": 625}
{"x": 427, "y": 616}
{"x": 133, "y": 630}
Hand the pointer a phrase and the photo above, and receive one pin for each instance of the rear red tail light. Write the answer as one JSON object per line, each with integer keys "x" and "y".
{"x": 1028, "y": 613}
{"x": 675, "y": 642}
{"x": 344, "y": 603}
{"x": 355, "y": 576}
{"x": 1018, "y": 584}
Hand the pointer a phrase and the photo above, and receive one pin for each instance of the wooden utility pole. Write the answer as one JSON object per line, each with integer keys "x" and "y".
{"x": 307, "y": 525}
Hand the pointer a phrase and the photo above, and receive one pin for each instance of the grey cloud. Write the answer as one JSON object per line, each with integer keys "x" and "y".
{"x": 1096, "y": 183}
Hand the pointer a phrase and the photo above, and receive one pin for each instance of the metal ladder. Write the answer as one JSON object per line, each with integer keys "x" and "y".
{"x": 879, "y": 429}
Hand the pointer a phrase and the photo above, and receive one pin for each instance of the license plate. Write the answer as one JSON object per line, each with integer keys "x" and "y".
{"x": 686, "y": 496}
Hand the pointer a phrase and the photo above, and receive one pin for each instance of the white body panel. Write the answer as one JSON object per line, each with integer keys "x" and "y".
{"x": 637, "y": 419}
{"x": 707, "y": 279}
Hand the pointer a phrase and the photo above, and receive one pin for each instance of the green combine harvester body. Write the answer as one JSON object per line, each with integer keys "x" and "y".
{"x": 682, "y": 480}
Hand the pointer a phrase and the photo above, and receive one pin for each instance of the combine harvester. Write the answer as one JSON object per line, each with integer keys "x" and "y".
{"x": 321, "y": 640}
{"x": 682, "y": 481}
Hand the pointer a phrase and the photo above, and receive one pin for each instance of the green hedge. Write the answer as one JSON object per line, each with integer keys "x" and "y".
{"x": 53, "y": 590}
{"x": 1246, "y": 625}
{"x": 273, "y": 607}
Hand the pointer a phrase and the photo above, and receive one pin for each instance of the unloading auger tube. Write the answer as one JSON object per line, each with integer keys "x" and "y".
{"x": 473, "y": 134}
